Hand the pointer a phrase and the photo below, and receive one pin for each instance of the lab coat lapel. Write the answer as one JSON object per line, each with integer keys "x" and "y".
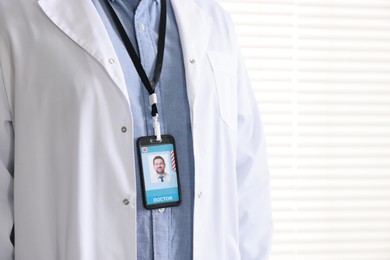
{"x": 194, "y": 39}
{"x": 80, "y": 20}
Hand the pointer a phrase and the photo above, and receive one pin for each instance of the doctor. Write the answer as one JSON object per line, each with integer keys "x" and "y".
{"x": 72, "y": 106}
{"x": 160, "y": 175}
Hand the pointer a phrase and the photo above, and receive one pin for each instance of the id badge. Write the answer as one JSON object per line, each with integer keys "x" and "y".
{"x": 159, "y": 172}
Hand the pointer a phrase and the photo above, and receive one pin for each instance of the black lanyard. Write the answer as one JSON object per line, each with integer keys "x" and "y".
{"x": 149, "y": 85}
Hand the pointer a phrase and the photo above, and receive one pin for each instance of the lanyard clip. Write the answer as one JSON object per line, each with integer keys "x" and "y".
{"x": 156, "y": 126}
{"x": 153, "y": 99}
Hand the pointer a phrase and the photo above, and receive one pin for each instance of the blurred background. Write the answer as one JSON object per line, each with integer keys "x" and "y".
{"x": 321, "y": 73}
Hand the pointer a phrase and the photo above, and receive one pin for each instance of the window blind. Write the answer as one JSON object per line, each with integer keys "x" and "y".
{"x": 321, "y": 74}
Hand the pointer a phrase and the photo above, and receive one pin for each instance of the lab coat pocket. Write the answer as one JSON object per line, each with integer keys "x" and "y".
{"x": 225, "y": 77}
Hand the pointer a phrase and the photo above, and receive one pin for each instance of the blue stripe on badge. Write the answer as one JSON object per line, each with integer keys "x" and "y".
{"x": 162, "y": 196}
{"x": 157, "y": 148}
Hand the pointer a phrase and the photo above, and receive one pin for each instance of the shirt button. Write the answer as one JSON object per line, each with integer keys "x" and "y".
{"x": 141, "y": 27}
{"x": 126, "y": 202}
{"x": 124, "y": 129}
{"x": 192, "y": 61}
{"x": 200, "y": 195}
{"x": 111, "y": 61}
{"x": 161, "y": 210}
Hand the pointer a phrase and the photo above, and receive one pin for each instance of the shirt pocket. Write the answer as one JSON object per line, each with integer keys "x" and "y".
{"x": 225, "y": 77}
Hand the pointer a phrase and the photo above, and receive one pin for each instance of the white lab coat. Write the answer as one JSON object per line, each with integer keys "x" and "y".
{"x": 63, "y": 103}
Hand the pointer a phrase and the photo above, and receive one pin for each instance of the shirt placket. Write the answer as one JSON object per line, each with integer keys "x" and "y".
{"x": 147, "y": 45}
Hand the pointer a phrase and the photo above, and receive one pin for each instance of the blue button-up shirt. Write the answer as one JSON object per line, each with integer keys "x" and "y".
{"x": 167, "y": 234}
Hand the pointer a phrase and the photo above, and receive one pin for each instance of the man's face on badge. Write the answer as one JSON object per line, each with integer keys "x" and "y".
{"x": 159, "y": 166}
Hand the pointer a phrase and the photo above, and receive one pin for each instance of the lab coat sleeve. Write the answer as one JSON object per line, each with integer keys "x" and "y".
{"x": 6, "y": 175}
{"x": 252, "y": 175}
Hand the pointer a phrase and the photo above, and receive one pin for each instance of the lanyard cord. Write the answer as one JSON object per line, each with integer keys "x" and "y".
{"x": 149, "y": 85}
